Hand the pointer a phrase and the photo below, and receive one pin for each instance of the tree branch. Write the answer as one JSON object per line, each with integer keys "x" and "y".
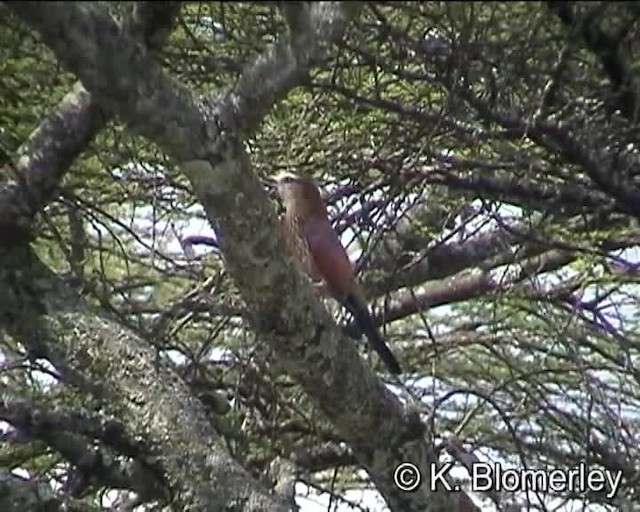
{"x": 615, "y": 62}
{"x": 314, "y": 26}
{"x": 66, "y": 433}
{"x": 285, "y": 311}
{"x": 151, "y": 400}
{"x": 607, "y": 171}
{"x": 51, "y": 149}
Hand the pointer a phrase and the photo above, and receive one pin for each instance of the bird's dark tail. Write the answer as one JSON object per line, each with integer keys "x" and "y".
{"x": 362, "y": 317}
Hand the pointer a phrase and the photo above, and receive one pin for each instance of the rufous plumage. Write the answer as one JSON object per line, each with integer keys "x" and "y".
{"x": 319, "y": 253}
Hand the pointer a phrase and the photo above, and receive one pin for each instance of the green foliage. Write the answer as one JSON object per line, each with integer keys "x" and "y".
{"x": 451, "y": 137}
{"x": 31, "y": 82}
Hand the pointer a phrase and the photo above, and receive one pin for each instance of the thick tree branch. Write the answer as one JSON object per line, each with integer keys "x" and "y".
{"x": 149, "y": 398}
{"x": 91, "y": 49}
{"x": 64, "y": 134}
{"x": 72, "y": 434}
{"x": 45, "y": 158}
{"x": 286, "y": 65}
{"x": 476, "y": 283}
{"x": 286, "y": 313}
{"x": 447, "y": 259}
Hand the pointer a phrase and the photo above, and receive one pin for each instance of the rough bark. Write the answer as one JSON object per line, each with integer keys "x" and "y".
{"x": 51, "y": 149}
{"x": 207, "y": 141}
{"x": 181, "y": 448}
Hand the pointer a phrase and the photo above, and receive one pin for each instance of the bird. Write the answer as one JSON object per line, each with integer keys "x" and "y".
{"x": 318, "y": 252}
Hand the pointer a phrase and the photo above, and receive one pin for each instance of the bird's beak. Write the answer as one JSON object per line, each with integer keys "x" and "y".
{"x": 270, "y": 186}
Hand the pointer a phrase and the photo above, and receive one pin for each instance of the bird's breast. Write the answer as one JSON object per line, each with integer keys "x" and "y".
{"x": 299, "y": 246}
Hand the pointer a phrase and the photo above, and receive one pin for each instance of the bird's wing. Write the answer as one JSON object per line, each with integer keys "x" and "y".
{"x": 330, "y": 259}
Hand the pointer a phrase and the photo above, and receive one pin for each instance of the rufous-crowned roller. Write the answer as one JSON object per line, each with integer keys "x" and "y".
{"x": 318, "y": 251}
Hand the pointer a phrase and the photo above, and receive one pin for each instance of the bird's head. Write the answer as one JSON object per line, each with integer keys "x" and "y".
{"x": 291, "y": 185}
{"x": 298, "y": 191}
{"x": 286, "y": 179}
